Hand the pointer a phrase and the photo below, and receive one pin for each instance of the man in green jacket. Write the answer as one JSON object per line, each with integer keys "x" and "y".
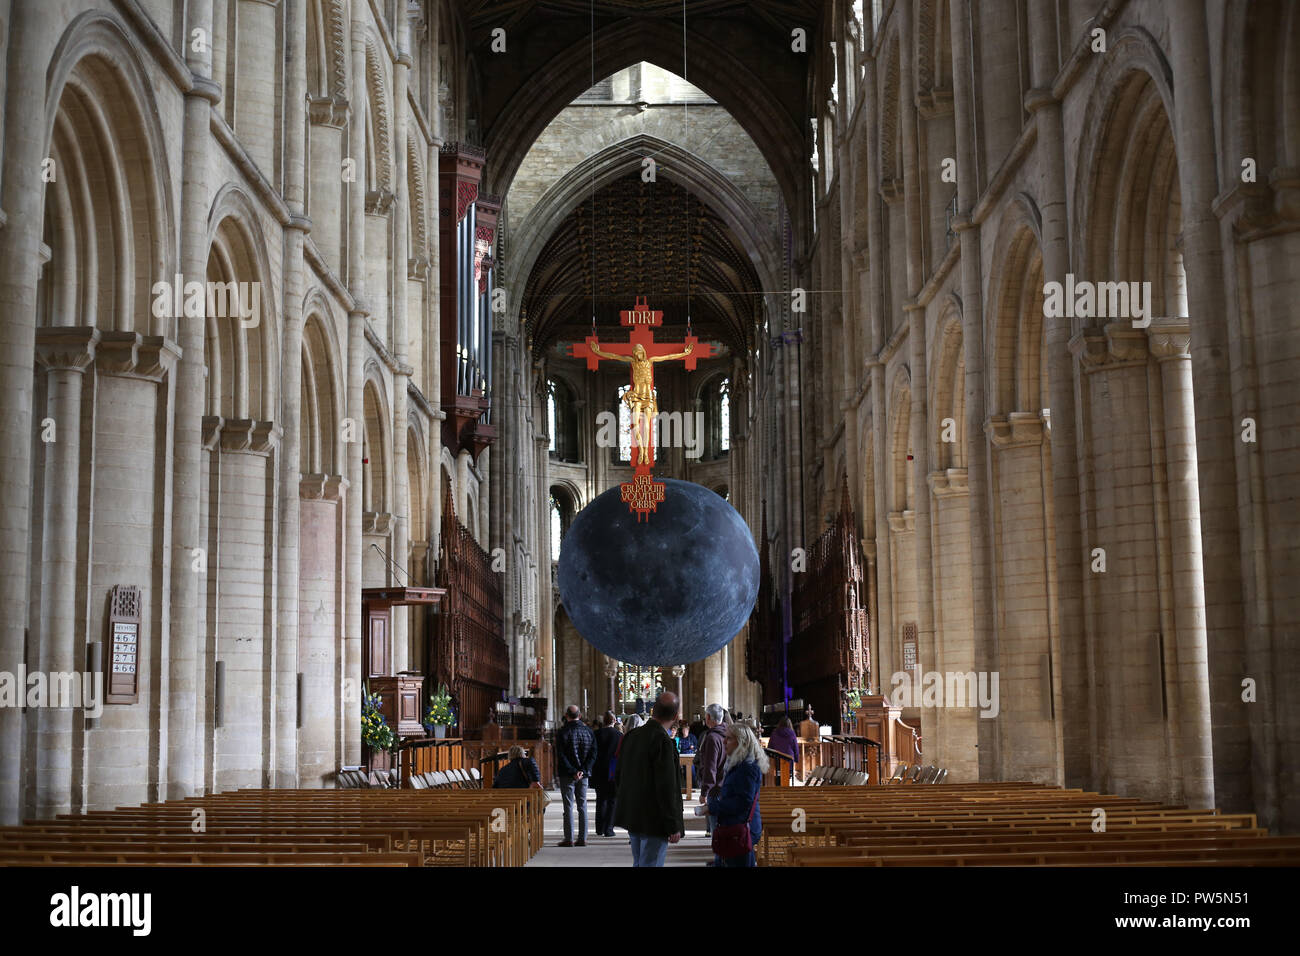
{"x": 649, "y": 798}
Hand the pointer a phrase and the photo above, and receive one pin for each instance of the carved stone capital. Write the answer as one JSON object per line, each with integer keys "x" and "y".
{"x": 1117, "y": 345}
{"x": 951, "y": 483}
{"x": 248, "y": 436}
{"x": 66, "y": 348}
{"x": 679, "y": 671}
{"x": 132, "y": 355}
{"x": 1170, "y": 339}
{"x": 902, "y": 522}
{"x": 321, "y": 487}
{"x": 374, "y": 522}
{"x": 1015, "y": 430}
{"x": 331, "y": 111}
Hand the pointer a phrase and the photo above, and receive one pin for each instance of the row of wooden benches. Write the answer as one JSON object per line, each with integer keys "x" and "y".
{"x": 469, "y": 779}
{"x": 1003, "y": 824}
{"x": 354, "y": 827}
{"x": 919, "y": 774}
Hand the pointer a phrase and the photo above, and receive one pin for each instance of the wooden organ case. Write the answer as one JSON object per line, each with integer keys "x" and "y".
{"x": 466, "y": 650}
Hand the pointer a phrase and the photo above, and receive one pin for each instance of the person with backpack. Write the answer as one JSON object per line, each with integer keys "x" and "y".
{"x": 602, "y": 775}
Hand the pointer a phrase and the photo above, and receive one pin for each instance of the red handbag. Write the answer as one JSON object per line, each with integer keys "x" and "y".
{"x": 734, "y": 839}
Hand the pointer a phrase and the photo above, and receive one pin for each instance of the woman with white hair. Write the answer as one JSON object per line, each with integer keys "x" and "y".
{"x": 735, "y": 802}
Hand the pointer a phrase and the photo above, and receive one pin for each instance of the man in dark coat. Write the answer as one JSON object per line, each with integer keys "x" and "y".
{"x": 607, "y": 740}
{"x": 649, "y": 798}
{"x": 575, "y": 756}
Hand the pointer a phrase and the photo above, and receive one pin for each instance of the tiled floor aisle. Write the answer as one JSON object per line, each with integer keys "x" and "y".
{"x": 693, "y": 850}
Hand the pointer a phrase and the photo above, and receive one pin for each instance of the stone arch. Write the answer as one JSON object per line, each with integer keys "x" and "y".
{"x": 1261, "y": 100}
{"x": 417, "y": 196}
{"x": 379, "y": 126}
{"x": 1130, "y": 105}
{"x": 900, "y": 442}
{"x": 633, "y": 40}
{"x": 891, "y": 144}
{"x": 1018, "y": 361}
{"x": 418, "y": 487}
{"x": 108, "y": 216}
{"x": 327, "y": 61}
{"x": 376, "y": 474}
{"x": 948, "y": 389}
{"x": 613, "y": 163}
{"x": 322, "y": 397}
{"x": 242, "y": 358}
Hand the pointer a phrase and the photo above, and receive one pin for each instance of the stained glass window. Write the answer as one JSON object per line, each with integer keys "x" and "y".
{"x": 550, "y": 413}
{"x": 644, "y": 682}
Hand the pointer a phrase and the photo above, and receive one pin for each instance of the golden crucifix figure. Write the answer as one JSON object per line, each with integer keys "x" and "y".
{"x": 640, "y": 398}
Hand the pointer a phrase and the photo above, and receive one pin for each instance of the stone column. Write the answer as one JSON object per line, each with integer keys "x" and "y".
{"x": 1236, "y": 743}
{"x": 184, "y": 775}
{"x": 1170, "y": 343}
{"x": 611, "y": 671}
{"x": 65, "y": 353}
{"x": 285, "y": 755}
{"x": 354, "y": 195}
{"x": 968, "y": 231}
{"x": 1070, "y": 641}
{"x": 401, "y": 340}
{"x": 679, "y": 672}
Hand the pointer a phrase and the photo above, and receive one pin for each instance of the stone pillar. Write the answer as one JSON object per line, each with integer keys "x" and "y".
{"x": 679, "y": 672}
{"x": 354, "y": 193}
{"x": 1069, "y": 640}
{"x": 400, "y": 343}
{"x": 285, "y": 753}
{"x": 611, "y": 671}
{"x": 184, "y": 775}
{"x": 1170, "y": 343}
{"x": 964, "y": 109}
{"x": 1217, "y": 420}
{"x": 65, "y": 353}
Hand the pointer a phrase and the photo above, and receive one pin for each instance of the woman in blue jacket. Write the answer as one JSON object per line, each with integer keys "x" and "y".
{"x": 731, "y": 802}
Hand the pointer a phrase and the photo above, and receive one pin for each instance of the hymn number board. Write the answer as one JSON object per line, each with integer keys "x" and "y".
{"x": 124, "y": 645}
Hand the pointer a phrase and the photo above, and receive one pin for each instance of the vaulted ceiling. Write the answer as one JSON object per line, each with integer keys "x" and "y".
{"x": 636, "y": 238}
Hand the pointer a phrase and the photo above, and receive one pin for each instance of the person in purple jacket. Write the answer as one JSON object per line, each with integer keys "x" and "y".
{"x": 785, "y": 740}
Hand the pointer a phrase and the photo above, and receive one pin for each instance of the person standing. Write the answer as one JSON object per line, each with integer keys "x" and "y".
{"x": 649, "y": 802}
{"x": 712, "y": 749}
{"x": 607, "y": 740}
{"x": 735, "y": 802}
{"x": 575, "y": 756}
{"x": 785, "y": 740}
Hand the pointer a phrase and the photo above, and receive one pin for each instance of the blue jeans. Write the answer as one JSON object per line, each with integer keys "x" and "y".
{"x": 574, "y": 790}
{"x": 648, "y": 850}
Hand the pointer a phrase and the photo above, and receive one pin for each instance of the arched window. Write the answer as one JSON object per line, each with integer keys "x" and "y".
{"x": 562, "y": 421}
{"x": 557, "y": 529}
{"x": 717, "y": 418}
{"x": 562, "y": 507}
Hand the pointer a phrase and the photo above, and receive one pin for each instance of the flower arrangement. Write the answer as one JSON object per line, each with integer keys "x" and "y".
{"x": 375, "y": 732}
{"x": 440, "y": 712}
{"x": 852, "y": 702}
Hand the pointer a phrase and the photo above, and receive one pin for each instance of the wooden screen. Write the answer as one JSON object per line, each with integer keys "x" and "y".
{"x": 829, "y": 652}
{"x": 467, "y": 652}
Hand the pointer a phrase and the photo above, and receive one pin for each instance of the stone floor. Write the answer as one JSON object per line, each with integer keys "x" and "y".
{"x": 693, "y": 850}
